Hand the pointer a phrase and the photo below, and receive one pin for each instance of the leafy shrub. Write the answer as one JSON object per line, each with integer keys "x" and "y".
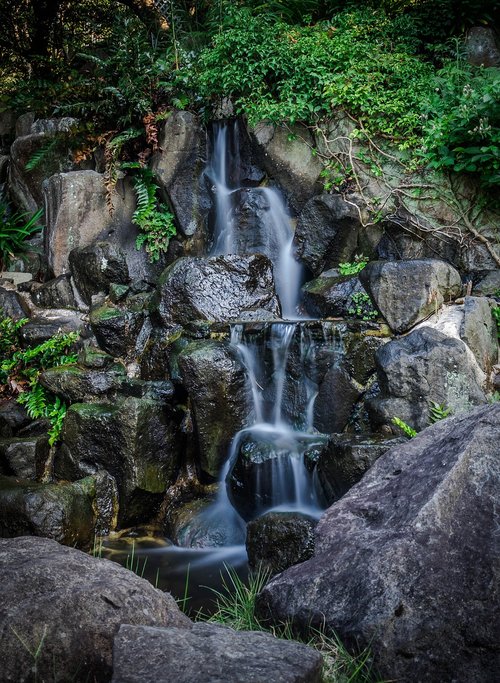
{"x": 353, "y": 268}
{"x": 20, "y": 369}
{"x": 153, "y": 218}
{"x": 15, "y": 229}
{"x": 462, "y": 131}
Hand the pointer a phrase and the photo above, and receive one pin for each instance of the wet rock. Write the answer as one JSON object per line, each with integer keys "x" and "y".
{"x": 25, "y": 186}
{"x": 95, "y": 267}
{"x": 212, "y": 654}
{"x": 420, "y": 525}
{"x": 63, "y": 512}
{"x": 24, "y": 457}
{"x": 489, "y": 285}
{"x": 75, "y": 384}
{"x": 12, "y": 304}
{"x": 337, "y": 395}
{"x": 94, "y": 358}
{"x": 327, "y": 232}
{"x": 267, "y": 471}
{"x": 330, "y": 294}
{"x": 425, "y": 366}
{"x": 359, "y": 355}
{"x": 53, "y": 126}
{"x": 49, "y": 323}
{"x": 13, "y": 417}
{"x": 278, "y": 540}
{"x": 345, "y": 460}
{"x": 406, "y": 292}
{"x": 4, "y": 166}
{"x": 198, "y": 524}
{"x": 57, "y": 293}
{"x": 482, "y": 46}
{"x": 73, "y": 605}
{"x": 178, "y": 165}
{"x": 215, "y": 382}
{"x": 289, "y": 162}
{"x": 117, "y": 328}
{"x": 219, "y": 288}
{"x": 132, "y": 439}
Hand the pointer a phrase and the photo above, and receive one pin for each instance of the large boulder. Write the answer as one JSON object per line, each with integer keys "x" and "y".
{"x": 24, "y": 456}
{"x": 327, "y": 232}
{"x": 68, "y": 606}
{"x": 117, "y": 328}
{"x": 132, "y": 439}
{"x": 482, "y": 46}
{"x": 423, "y": 590}
{"x": 12, "y": 304}
{"x": 423, "y": 367}
{"x": 215, "y": 381}
{"x": 406, "y": 292}
{"x": 337, "y": 396}
{"x": 219, "y": 288}
{"x": 57, "y": 293}
{"x": 52, "y": 142}
{"x": 95, "y": 267}
{"x": 289, "y": 160}
{"x": 178, "y": 166}
{"x": 64, "y": 512}
{"x": 278, "y": 540}
{"x": 212, "y": 654}
{"x": 330, "y": 294}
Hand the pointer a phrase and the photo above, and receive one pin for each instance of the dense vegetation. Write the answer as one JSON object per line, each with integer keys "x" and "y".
{"x": 397, "y": 67}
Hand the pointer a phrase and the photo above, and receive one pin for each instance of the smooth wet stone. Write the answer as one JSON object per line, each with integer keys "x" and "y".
{"x": 278, "y": 540}
{"x": 406, "y": 563}
{"x": 13, "y": 417}
{"x": 117, "y": 328}
{"x": 406, "y": 292}
{"x": 12, "y": 304}
{"x": 95, "y": 267}
{"x": 327, "y": 232}
{"x": 24, "y": 456}
{"x": 215, "y": 381}
{"x": 218, "y": 288}
{"x": 489, "y": 285}
{"x": 330, "y": 294}
{"x": 198, "y": 525}
{"x": 63, "y": 512}
{"x": 334, "y": 404}
{"x": 134, "y": 440}
{"x": 57, "y": 293}
{"x": 212, "y": 654}
{"x": 72, "y": 605}
{"x": 49, "y": 323}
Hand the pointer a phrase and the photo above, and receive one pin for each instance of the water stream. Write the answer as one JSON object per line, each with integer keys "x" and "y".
{"x": 266, "y": 468}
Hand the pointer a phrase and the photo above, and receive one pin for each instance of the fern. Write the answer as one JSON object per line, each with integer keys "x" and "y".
{"x": 42, "y": 153}
{"x": 438, "y": 412}
{"x": 154, "y": 219}
{"x": 408, "y": 431}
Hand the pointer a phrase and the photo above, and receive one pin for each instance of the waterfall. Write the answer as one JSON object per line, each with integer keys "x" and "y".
{"x": 271, "y": 230}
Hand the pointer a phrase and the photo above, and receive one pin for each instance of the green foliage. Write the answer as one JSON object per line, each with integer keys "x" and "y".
{"x": 21, "y": 367}
{"x": 236, "y": 609}
{"x": 15, "y": 229}
{"x": 438, "y": 411}
{"x": 353, "y": 268}
{"x": 462, "y": 130}
{"x": 361, "y": 307}
{"x": 153, "y": 218}
{"x": 406, "y": 429}
{"x": 495, "y": 312}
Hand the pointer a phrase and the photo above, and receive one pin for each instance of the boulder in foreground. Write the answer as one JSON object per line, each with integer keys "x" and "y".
{"x": 406, "y": 563}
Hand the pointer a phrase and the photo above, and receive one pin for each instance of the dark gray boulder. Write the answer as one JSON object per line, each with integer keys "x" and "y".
{"x": 12, "y": 304}
{"x": 278, "y": 540}
{"x": 63, "y": 512}
{"x": 425, "y": 366}
{"x": 13, "y": 417}
{"x": 95, "y": 267}
{"x": 178, "y": 166}
{"x": 215, "y": 382}
{"x": 345, "y": 459}
{"x": 24, "y": 456}
{"x": 406, "y": 292}
{"x": 337, "y": 396}
{"x": 57, "y": 293}
{"x": 51, "y": 322}
{"x": 330, "y": 294}
{"x": 489, "y": 285}
{"x": 219, "y": 288}
{"x": 69, "y": 605}
{"x": 212, "y": 654}
{"x": 406, "y": 563}
{"x": 118, "y": 327}
{"x": 132, "y": 439}
{"x": 482, "y": 46}
{"x": 327, "y": 232}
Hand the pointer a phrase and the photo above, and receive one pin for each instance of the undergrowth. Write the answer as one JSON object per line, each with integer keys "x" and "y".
{"x": 20, "y": 369}
{"x": 235, "y": 607}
